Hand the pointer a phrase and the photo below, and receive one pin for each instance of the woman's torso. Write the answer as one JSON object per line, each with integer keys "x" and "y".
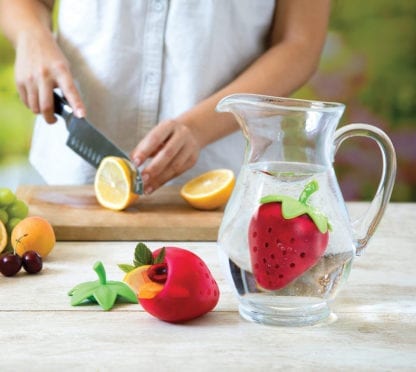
{"x": 139, "y": 62}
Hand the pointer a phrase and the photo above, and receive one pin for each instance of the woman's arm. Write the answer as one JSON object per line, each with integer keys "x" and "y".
{"x": 40, "y": 65}
{"x": 297, "y": 37}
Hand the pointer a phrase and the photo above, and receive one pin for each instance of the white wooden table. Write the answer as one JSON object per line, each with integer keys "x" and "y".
{"x": 375, "y": 329}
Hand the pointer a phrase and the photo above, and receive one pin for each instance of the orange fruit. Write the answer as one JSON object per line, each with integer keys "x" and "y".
{"x": 137, "y": 277}
{"x": 209, "y": 190}
{"x": 149, "y": 290}
{"x": 113, "y": 183}
{"x": 3, "y": 237}
{"x": 141, "y": 284}
{"x": 33, "y": 234}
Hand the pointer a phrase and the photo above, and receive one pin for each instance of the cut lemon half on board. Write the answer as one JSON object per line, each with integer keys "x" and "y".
{"x": 113, "y": 183}
{"x": 209, "y": 190}
{"x": 3, "y": 236}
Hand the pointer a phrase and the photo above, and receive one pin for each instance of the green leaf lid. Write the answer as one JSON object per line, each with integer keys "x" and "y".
{"x": 104, "y": 292}
{"x": 292, "y": 208}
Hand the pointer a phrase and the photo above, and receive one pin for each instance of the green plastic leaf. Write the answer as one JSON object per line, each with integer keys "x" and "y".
{"x": 104, "y": 292}
{"x": 105, "y": 296}
{"x": 292, "y": 208}
{"x": 83, "y": 294}
{"x": 123, "y": 291}
{"x": 87, "y": 286}
{"x": 321, "y": 222}
{"x": 271, "y": 199}
{"x": 309, "y": 189}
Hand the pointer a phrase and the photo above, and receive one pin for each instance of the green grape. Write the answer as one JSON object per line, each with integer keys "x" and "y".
{"x": 4, "y": 217}
{"x": 7, "y": 196}
{"x": 18, "y": 209}
{"x": 10, "y": 225}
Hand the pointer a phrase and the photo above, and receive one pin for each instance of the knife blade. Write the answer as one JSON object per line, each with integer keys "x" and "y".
{"x": 89, "y": 143}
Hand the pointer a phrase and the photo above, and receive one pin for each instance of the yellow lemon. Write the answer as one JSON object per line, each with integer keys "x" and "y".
{"x": 3, "y": 236}
{"x": 209, "y": 190}
{"x": 113, "y": 183}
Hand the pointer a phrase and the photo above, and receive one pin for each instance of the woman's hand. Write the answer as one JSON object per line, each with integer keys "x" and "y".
{"x": 40, "y": 64}
{"x": 296, "y": 40}
{"x": 40, "y": 67}
{"x": 171, "y": 147}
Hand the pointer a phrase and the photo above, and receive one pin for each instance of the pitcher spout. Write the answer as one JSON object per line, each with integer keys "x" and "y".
{"x": 237, "y": 104}
{"x": 284, "y": 128}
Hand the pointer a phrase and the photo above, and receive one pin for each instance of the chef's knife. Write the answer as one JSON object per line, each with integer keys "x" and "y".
{"x": 90, "y": 143}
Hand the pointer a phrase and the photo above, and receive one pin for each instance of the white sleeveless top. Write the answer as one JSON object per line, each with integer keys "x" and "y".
{"x": 139, "y": 62}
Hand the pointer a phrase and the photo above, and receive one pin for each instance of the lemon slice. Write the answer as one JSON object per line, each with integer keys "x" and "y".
{"x": 113, "y": 183}
{"x": 137, "y": 277}
{"x": 141, "y": 284}
{"x": 149, "y": 290}
{"x": 3, "y": 236}
{"x": 209, "y": 190}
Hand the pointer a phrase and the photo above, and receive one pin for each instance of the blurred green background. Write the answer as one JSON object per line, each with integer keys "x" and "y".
{"x": 369, "y": 63}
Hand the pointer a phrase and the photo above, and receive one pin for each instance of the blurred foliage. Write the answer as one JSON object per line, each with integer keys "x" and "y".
{"x": 384, "y": 32}
{"x": 369, "y": 63}
{"x": 16, "y": 121}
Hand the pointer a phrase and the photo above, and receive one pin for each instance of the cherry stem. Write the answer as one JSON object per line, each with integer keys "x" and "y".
{"x": 99, "y": 269}
{"x": 309, "y": 189}
{"x": 18, "y": 241}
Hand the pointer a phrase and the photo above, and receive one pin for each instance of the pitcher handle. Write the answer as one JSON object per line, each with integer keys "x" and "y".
{"x": 364, "y": 226}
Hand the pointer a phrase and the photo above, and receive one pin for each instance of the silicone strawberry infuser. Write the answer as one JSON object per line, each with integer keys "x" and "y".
{"x": 178, "y": 287}
{"x": 286, "y": 238}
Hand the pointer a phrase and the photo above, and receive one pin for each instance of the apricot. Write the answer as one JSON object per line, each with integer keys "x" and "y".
{"x": 33, "y": 233}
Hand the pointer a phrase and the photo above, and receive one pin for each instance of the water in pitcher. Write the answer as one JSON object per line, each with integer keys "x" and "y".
{"x": 318, "y": 284}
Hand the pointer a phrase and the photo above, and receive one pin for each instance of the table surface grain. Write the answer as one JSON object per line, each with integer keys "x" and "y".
{"x": 375, "y": 326}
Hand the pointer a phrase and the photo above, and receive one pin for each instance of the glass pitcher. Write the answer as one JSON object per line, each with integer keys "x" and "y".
{"x": 286, "y": 241}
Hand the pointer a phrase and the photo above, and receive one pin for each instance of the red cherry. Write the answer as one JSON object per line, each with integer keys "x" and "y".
{"x": 10, "y": 264}
{"x": 32, "y": 262}
{"x": 158, "y": 273}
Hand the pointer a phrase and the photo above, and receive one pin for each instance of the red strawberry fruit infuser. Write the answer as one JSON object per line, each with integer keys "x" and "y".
{"x": 286, "y": 238}
{"x": 185, "y": 287}
{"x": 177, "y": 285}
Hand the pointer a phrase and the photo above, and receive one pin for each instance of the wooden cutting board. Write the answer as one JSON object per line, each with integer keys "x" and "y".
{"x": 75, "y": 214}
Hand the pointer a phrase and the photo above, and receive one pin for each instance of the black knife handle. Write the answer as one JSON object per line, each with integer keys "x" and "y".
{"x": 61, "y": 106}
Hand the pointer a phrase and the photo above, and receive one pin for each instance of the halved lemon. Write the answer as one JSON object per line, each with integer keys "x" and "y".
{"x": 3, "y": 236}
{"x": 113, "y": 183}
{"x": 209, "y": 190}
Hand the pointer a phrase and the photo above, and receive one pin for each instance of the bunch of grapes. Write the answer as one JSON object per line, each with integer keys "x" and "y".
{"x": 12, "y": 211}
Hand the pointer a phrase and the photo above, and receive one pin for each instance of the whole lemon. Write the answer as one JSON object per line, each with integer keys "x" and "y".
{"x": 33, "y": 233}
